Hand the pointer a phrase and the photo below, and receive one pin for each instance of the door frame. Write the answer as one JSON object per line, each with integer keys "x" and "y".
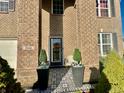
{"x": 55, "y": 64}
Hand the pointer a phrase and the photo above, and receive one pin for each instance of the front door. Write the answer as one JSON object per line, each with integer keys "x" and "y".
{"x": 56, "y": 51}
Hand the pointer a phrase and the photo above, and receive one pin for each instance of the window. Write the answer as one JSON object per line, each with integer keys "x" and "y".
{"x": 57, "y": 6}
{"x": 105, "y": 43}
{"x": 7, "y": 5}
{"x": 4, "y": 6}
{"x": 105, "y": 8}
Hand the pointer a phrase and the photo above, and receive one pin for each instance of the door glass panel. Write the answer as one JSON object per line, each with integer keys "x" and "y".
{"x": 56, "y": 47}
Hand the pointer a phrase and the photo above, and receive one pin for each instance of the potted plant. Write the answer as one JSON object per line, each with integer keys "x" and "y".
{"x": 77, "y": 68}
{"x": 43, "y": 71}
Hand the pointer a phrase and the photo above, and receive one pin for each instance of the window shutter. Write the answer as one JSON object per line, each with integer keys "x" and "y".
{"x": 11, "y": 5}
{"x": 112, "y": 8}
{"x": 115, "y": 41}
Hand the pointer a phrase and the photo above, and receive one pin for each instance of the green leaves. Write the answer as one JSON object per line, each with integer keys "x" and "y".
{"x": 77, "y": 55}
{"x": 43, "y": 56}
{"x": 2, "y": 85}
{"x": 112, "y": 75}
{"x": 43, "y": 60}
{"x": 7, "y": 81}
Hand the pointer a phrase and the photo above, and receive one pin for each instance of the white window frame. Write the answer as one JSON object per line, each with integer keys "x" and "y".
{"x": 99, "y": 9}
{"x": 101, "y": 43}
{"x": 8, "y": 6}
{"x": 52, "y": 8}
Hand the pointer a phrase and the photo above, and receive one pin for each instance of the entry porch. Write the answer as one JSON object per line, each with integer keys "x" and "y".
{"x": 61, "y": 81}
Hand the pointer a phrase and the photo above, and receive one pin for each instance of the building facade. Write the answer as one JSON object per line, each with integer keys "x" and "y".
{"x": 58, "y": 26}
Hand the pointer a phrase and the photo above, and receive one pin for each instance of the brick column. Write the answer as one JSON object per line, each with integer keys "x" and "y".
{"x": 28, "y": 19}
{"x": 88, "y": 38}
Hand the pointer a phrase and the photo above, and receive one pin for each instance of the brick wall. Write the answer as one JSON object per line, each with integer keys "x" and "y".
{"x": 27, "y": 41}
{"x": 8, "y": 24}
{"x": 79, "y": 27}
{"x": 63, "y": 26}
{"x": 88, "y": 37}
{"x": 113, "y": 25}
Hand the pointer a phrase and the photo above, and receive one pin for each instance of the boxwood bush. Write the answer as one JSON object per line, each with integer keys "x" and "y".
{"x": 42, "y": 57}
{"x": 8, "y": 84}
{"x": 112, "y": 75}
{"x": 77, "y": 55}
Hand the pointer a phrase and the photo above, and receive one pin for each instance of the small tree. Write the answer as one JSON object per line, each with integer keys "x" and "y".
{"x": 43, "y": 60}
{"x": 112, "y": 76}
{"x": 77, "y": 55}
{"x": 42, "y": 57}
{"x": 8, "y": 84}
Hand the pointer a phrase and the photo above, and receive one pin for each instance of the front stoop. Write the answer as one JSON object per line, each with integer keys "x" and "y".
{"x": 61, "y": 81}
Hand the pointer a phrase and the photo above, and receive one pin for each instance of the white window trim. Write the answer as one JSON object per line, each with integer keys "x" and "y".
{"x": 52, "y": 8}
{"x": 99, "y": 9}
{"x": 109, "y": 9}
{"x": 101, "y": 43}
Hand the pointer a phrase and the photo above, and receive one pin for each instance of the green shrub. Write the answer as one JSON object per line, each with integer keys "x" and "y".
{"x": 7, "y": 81}
{"x": 79, "y": 91}
{"x": 43, "y": 64}
{"x": 77, "y": 55}
{"x": 101, "y": 63}
{"x": 42, "y": 57}
{"x": 112, "y": 76}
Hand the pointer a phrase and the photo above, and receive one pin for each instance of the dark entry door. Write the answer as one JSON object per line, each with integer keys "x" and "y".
{"x": 56, "y": 52}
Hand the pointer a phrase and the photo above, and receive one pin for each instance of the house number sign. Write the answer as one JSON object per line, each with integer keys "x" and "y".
{"x": 28, "y": 47}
